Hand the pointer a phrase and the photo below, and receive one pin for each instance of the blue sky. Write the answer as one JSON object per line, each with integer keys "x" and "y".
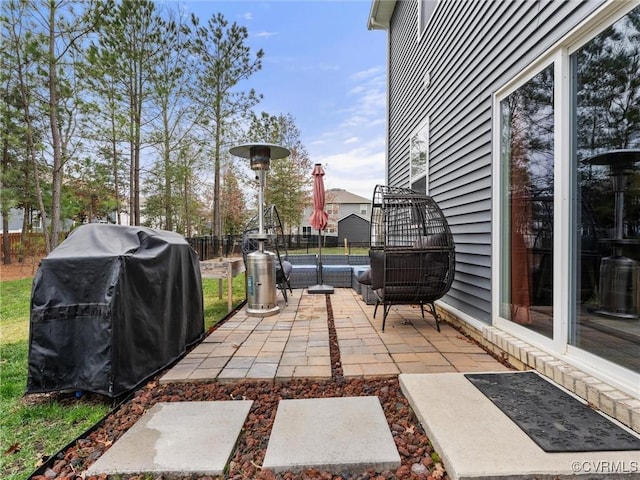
{"x": 323, "y": 66}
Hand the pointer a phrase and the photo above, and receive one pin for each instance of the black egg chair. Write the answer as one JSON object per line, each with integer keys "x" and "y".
{"x": 412, "y": 251}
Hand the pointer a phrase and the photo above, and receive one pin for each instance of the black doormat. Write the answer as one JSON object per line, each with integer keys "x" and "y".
{"x": 552, "y": 418}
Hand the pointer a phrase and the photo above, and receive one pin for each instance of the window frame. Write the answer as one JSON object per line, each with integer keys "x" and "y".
{"x": 517, "y": 82}
{"x": 425, "y": 18}
{"x": 560, "y": 55}
{"x": 422, "y": 127}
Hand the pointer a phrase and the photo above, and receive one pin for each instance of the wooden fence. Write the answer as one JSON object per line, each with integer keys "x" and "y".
{"x": 33, "y": 246}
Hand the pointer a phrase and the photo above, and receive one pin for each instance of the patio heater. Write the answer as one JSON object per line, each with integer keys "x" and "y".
{"x": 261, "y": 264}
{"x": 619, "y": 275}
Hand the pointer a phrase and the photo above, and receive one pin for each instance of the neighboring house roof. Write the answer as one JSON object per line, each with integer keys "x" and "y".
{"x": 380, "y": 14}
{"x": 354, "y": 215}
{"x": 338, "y": 195}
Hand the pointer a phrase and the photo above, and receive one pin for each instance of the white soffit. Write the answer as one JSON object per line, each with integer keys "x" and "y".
{"x": 380, "y": 14}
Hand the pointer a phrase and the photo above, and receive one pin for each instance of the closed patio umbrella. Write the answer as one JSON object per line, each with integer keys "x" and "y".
{"x": 318, "y": 220}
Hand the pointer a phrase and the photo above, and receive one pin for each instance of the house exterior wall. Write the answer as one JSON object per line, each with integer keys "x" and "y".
{"x": 354, "y": 229}
{"x": 457, "y": 77}
{"x": 448, "y": 75}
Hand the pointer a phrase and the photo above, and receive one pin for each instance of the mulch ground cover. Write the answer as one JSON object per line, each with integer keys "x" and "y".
{"x": 418, "y": 459}
{"x": 413, "y": 445}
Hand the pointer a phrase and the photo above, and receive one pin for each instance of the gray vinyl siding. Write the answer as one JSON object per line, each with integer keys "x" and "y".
{"x": 470, "y": 49}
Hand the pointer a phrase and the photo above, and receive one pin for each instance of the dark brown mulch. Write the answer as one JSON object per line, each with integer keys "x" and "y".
{"x": 418, "y": 459}
{"x": 413, "y": 445}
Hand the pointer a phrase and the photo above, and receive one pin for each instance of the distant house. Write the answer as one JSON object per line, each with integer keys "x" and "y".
{"x": 354, "y": 228}
{"x": 338, "y": 204}
{"x": 15, "y": 220}
{"x": 497, "y": 110}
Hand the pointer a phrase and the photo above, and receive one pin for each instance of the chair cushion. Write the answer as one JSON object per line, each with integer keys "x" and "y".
{"x": 365, "y": 277}
{"x": 377, "y": 269}
{"x": 436, "y": 240}
{"x": 410, "y": 276}
{"x": 286, "y": 268}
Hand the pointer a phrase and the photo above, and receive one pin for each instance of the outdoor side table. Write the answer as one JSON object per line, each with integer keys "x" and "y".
{"x": 222, "y": 268}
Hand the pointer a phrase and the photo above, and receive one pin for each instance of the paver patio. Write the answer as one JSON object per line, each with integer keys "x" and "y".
{"x": 294, "y": 343}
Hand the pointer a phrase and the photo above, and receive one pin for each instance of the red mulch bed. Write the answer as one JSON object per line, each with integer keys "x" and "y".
{"x": 416, "y": 452}
{"x": 413, "y": 445}
{"x": 19, "y": 270}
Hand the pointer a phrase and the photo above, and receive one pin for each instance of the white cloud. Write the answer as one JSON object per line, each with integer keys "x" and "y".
{"x": 365, "y": 74}
{"x": 357, "y": 170}
{"x": 367, "y": 105}
{"x": 265, "y": 34}
{"x": 351, "y": 140}
{"x": 247, "y": 16}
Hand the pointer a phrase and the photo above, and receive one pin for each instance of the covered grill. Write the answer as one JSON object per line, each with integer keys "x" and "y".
{"x": 111, "y": 306}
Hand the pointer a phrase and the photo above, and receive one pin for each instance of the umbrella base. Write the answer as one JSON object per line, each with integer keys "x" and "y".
{"x": 319, "y": 289}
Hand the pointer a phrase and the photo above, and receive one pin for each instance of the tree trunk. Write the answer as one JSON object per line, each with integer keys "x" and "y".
{"x": 132, "y": 168}
{"x": 137, "y": 121}
{"x": 187, "y": 216}
{"x": 6, "y": 245}
{"x": 116, "y": 177}
{"x": 167, "y": 171}
{"x": 217, "y": 223}
{"x": 24, "y": 98}
{"x": 56, "y": 186}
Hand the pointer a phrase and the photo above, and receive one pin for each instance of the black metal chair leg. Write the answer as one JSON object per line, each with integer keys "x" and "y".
{"x": 432, "y": 311}
{"x": 375, "y": 310}
{"x": 385, "y": 312}
{"x": 386, "y": 307}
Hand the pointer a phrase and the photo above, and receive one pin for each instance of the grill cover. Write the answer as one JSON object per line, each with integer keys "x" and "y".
{"x": 111, "y": 306}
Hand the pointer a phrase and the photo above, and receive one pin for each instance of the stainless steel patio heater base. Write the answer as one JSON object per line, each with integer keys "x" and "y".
{"x": 261, "y": 278}
{"x": 620, "y": 288}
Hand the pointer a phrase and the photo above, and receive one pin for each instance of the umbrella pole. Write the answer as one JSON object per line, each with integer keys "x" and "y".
{"x": 320, "y": 287}
{"x": 320, "y": 281}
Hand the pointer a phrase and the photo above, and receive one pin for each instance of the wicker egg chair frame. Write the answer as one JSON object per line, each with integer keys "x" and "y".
{"x": 412, "y": 250}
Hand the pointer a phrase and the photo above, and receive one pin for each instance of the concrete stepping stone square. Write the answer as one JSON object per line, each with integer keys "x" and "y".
{"x": 346, "y": 434}
{"x": 177, "y": 438}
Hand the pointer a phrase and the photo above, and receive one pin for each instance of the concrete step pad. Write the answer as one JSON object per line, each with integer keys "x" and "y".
{"x": 477, "y": 441}
{"x": 178, "y": 438}
{"x": 346, "y": 434}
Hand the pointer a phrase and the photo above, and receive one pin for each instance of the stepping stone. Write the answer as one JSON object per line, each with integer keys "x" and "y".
{"x": 177, "y": 438}
{"x": 477, "y": 441}
{"x": 346, "y": 434}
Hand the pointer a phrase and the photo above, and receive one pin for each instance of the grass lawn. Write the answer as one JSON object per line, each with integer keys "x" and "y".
{"x": 34, "y": 427}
